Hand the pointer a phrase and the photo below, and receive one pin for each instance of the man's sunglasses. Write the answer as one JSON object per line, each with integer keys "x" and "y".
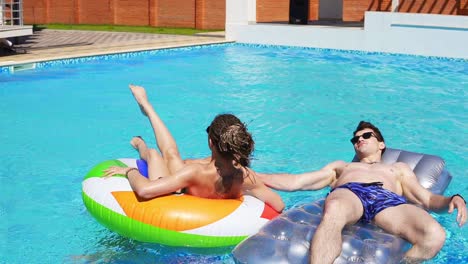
{"x": 366, "y": 135}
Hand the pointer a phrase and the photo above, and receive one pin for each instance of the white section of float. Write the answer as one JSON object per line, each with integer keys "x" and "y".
{"x": 251, "y": 208}
{"x": 100, "y": 190}
{"x": 129, "y": 162}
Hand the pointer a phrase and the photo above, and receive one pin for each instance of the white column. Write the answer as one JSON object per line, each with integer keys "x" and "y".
{"x": 395, "y": 4}
{"x": 239, "y": 13}
{"x": 1, "y": 12}
{"x": 252, "y": 11}
{"x": 236, "y": 11}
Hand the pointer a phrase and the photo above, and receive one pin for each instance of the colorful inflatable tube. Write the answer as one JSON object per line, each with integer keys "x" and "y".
{"x": 174, "y": 220}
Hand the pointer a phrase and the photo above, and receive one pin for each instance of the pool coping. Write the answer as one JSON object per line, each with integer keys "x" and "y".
{"x": 127, "y": 46}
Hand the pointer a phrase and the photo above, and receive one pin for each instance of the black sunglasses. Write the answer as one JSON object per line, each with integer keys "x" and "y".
{"x": 208, "y": 129}
{"x": 366, "y": 135}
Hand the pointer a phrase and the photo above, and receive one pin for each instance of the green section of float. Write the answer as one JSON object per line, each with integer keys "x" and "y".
{"x": 137, "y": 230}
{"x": 98, "y": 170}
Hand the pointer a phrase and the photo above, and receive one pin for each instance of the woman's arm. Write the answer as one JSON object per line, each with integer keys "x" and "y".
{"x": 265, "y": 194}
{"x": 148, "y": 189}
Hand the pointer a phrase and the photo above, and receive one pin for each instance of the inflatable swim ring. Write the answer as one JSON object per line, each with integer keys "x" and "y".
{"x": 286, "y": 239}
{"x": 174, "y": 220}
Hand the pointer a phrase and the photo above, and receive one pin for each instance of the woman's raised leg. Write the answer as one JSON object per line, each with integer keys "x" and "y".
{"x": 157, "y": 167}
{"x": 166, "y": 143}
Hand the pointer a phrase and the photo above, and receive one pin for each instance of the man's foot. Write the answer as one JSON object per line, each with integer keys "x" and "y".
{"x": 139, "y": 144}
{"x": 139, "y": 94}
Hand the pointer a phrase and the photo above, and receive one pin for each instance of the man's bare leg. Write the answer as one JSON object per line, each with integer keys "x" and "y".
{"x": 157, "y": 167}
{"x": 341, "y": 207}
{"x": 164, "y": 139}
{"x": 415, "y": 225}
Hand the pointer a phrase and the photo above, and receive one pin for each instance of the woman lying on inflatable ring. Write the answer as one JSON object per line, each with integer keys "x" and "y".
{"x": 225, "y": 175}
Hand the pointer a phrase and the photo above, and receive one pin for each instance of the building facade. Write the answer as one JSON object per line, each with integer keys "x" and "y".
{"x": 210, "y": 14}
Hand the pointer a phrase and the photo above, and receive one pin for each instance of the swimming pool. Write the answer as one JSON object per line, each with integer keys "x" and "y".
{"x": 300, "y": 104}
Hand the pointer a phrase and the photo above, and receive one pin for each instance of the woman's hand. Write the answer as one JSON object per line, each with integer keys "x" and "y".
{"x": 115, "y": 170}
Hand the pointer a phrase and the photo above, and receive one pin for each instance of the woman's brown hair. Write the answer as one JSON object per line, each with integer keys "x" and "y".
{"x": 231, "y": 138}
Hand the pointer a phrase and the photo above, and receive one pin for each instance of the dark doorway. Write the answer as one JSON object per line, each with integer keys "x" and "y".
{"x": 298, "y": 11}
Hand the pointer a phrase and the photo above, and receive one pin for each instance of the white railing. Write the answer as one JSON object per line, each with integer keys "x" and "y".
{"x": 11, "y": 12}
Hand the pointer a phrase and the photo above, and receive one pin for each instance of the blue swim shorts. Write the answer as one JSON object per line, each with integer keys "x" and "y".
{"x": 373, "y": 197}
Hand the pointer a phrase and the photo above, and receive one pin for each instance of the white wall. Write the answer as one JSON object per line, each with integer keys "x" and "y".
{"x": 419, "y": 34}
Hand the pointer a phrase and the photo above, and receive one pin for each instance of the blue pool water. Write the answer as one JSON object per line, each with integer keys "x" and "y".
{"x": 301, "y": 105}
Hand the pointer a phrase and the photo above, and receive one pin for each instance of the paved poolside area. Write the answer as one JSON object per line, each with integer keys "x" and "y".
{"x": 58, "y": 44}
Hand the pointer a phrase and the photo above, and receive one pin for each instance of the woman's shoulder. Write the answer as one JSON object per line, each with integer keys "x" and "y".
{"x": 251, "y": 178}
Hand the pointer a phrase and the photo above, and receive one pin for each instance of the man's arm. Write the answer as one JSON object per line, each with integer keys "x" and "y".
{"x": 314, "y": 180}
{"x": 147, "y": 189}
{"x": 421, "y": 196}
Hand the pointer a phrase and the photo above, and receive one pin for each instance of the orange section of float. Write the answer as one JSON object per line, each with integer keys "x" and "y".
{"x": 175, "y": 212}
